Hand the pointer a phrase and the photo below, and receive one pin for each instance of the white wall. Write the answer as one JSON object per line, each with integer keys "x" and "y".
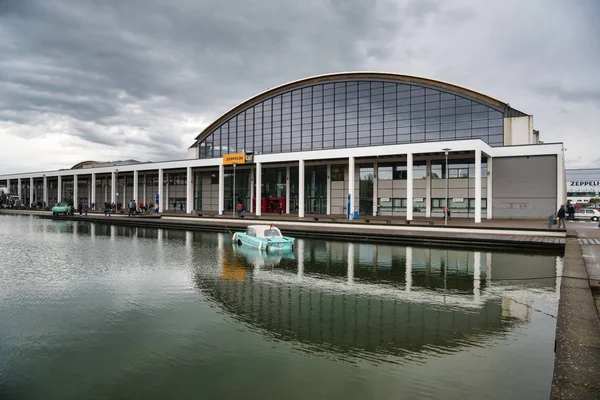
{"x": 193, "y": 152}
{"x": 519, "y": 131}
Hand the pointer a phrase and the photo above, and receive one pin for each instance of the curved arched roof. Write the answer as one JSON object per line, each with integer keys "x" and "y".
{"x": 345, "y": 76}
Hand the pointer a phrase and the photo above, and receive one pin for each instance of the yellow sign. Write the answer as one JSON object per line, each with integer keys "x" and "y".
{"x": 234, "y": 158}
{"x": 238, "y": 158}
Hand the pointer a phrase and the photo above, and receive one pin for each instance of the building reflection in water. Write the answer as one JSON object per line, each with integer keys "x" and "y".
{"x": 356, "y": 299}
{"x": 351, "y": 298}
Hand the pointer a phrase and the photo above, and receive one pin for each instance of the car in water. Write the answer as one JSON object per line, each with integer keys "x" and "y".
{"x": 265, "y": 238}
{"x": 62, "y": 208}
{"x": 588, "y": 213}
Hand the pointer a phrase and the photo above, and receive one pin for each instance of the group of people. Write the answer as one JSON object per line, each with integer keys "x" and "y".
{"x": 565, "y": 213}
{"x": 133, "y": 208}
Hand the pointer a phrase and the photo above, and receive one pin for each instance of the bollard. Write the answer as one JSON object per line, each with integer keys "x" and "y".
{"x": 550, "y": 221}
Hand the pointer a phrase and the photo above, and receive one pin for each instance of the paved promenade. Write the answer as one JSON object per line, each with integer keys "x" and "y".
{"x": 577, "y": 361}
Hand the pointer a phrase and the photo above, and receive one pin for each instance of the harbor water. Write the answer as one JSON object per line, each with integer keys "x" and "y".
{"x": 98, "y": 311}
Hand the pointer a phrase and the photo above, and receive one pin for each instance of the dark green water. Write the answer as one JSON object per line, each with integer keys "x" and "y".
{"x": 90, "y": 311}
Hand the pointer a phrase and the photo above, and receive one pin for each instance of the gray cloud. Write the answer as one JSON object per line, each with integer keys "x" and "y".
{"x": 140, "y": 78}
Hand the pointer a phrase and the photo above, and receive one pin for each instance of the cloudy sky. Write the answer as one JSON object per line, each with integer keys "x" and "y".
{"x": 116, "y": 79}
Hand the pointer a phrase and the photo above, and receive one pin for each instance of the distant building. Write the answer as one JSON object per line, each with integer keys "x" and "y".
{"x": 583, "y": 184}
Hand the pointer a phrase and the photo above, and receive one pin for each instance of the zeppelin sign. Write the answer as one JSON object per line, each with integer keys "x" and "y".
{"x": 585, "y": 183}
{"x": 237, "y": 158}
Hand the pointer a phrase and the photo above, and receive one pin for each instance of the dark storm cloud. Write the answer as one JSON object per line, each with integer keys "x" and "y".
{"x": 91, "y": 60}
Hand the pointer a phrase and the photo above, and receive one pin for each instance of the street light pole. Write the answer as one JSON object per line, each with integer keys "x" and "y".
{"x": 446, "y": 203}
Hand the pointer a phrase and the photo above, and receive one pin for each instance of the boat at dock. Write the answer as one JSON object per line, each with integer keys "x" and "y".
{"x": 264, "y": 238}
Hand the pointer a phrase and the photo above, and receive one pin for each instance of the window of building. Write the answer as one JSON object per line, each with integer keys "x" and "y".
{"x": 337, "y": 173}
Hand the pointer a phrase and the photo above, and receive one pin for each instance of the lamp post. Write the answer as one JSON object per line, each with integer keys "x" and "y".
{"x": 446, "y": 150}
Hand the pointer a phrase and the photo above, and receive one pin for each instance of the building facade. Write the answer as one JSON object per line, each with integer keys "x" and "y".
{"x": 341, "y": 144}
{"x": 583, "y": 184}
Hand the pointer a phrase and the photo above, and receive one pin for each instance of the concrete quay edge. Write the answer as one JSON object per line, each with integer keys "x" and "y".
{"x": 577, "y": 343}
{"x": 454, "y": 237}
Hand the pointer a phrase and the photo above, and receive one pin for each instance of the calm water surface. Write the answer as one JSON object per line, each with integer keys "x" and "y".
{"x": 92, "y": 311}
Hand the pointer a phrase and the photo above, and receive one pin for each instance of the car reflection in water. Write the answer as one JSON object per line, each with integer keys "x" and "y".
{"x": 373, "y": 301}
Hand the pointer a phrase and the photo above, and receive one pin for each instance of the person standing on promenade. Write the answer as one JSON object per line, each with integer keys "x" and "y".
{"x": 561, "y": 214}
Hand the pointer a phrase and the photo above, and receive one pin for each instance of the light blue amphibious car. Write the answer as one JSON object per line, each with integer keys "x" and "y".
{"x": 264, "y": 237}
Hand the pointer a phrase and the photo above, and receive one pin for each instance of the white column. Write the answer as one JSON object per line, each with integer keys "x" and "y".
{"x": 19, "y": 187}
{"x": 489, "y": 188}
{"x": 428, "y": 190}
{"x": 375, "y": 189}
{"x": 328, "y": 189}
{"x": 144, "y": 189}
{"x": 30, "y": 192}
{"x": 488, "y": 270}
{"x": 161, "y": 183}
{"x": 300, "y": 256}
{"x": 93, "y": 188}
{"x": 408, "y": 273}
{"x": 44, "y": 192}
{"x": 166, "y": 202}
{"x": 59, "y": 190}
{"x": 351, "y": 185}
{"x": 287, "y": 190}
{"x": 190, "y": 191}
{"x": 135, "y": 187}
{"x": 113, "y": 187}
{"x": 8, "y": 186}
{"x": 75, "y": 192}
{"x": 477, "y": 276}
{"x": 409, "y": 187}
{"x": 477, "y": 186}
{"x": 258, "y": 180}
{"x": 252, "y": 174}
{"x": 350, "y": 276}
{"x": 301, "y": 188}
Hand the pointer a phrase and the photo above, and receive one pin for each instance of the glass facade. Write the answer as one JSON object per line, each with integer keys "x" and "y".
{"x": 350, "y": 114}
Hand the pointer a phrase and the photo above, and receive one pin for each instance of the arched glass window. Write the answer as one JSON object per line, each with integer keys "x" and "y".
{"x": 350, "y": 114}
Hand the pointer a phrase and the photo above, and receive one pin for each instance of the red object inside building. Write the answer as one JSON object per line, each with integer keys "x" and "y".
{"x": 270, "y": 205}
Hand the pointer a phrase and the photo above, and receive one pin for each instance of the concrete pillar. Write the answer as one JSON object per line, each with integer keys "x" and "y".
{"x": 301, "y": 189}
{"x": 258, "y": 180}
{"x": 478, "y": 186}
{"x": 328, "y": 189}
{"x": 189, "y": 207}
{"x": 409, "y": 187}
{"x": 428, "y": 190}
{"x": 135, "y": 187}
{"x": 45, "y": 192}
{"x": 144, "y": 189}
{"x": 19, "y": 188}
{"x": 408, "y": 270}
{"x": 287, "y": 190}
{"x": 252, "y": 174}
{"x": 161, "y": 198}
{"x": 375, "y": 189}
{"x": 93, "y": 188}
{"x": 489, "y": 188}
{"x": 221, "y": 189}
{"x": 350, "y": 276}
{"x": 30, "y": 191}
{"x": 8, "y": 186}
{"x": 300, "y": 256}
{"x": 477, "y": 276}
{"x": 166, "y": 202}
{"x": 113, "y": 187}
{"x": 75, "y": 192}
{"x": 351, "y": 169}
{"x": 59, "y": 190}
